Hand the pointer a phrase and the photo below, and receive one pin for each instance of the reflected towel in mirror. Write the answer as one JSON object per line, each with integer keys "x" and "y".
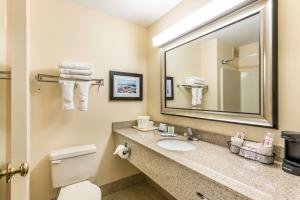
{"x": 197, "y": 96}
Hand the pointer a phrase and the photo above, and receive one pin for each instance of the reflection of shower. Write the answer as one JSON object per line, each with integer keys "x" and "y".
{"x": 236, "y": 55}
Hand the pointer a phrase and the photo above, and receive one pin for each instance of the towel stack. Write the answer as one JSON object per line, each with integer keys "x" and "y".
{"x": 81, "y": 74}
{"x": 197, "y": 92}
{"x": 193, "y": 81}
{"x": 78, "y": 71}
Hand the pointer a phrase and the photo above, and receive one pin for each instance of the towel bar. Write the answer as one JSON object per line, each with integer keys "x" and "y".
{"x": 193, "y": 86}
{"x": 55, "y": 79}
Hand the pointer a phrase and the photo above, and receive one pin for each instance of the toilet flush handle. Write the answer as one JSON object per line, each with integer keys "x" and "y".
{"x": 56, "y": 162}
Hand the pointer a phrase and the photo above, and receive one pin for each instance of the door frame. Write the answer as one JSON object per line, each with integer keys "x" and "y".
{"x": 19, "y": 59}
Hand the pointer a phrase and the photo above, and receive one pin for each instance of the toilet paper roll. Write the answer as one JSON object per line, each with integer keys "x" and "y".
{"x": 122, "y": 151}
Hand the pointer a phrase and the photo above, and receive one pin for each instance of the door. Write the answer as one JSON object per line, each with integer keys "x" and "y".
{"x": 4, "y": 128}
{"x": 4, "y": 99}
{"x": 15, "y": 135}
{"x": 231, "y": 86}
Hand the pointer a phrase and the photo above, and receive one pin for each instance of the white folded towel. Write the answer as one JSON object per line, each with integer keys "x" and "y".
{"x": 83, "y": 95}
{"x": 85, "y": 72}
{"x": 193, "y": 81}
{"x": 194, "y": 78}
{"x": 197, "y": 96}
{"x": 82, "y": 74}
{"x": 77, "y": 77}
{"x": 79, "y": 66}
{"x": 67, "y": 93}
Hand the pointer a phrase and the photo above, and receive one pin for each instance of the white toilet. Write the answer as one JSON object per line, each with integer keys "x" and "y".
{"x": 71, "y": 168}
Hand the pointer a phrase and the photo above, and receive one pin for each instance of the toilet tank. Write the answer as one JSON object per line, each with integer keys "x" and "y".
{"x": 72, "y": 165}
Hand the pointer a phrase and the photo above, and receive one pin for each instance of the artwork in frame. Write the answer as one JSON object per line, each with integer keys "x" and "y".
{"x": 125, "y": 86}
{"x": 170, "y": 88}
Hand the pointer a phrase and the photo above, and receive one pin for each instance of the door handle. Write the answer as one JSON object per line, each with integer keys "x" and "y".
{"x": 10, "y": 171}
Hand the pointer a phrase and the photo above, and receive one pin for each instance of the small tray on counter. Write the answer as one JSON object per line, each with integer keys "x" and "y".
{"x": 145, "y": 129}
{"x": 265, "y": 159}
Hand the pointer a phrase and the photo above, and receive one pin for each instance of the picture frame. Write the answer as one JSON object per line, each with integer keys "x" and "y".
{"x": 125, "y": 86}
{"x": 169, "y": 88}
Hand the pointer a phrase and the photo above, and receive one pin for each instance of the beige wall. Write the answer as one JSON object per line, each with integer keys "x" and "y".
{"x": 209, "y": 70}
{"x": 193, "y": 59}
{"x": 182, "y": 62}
{"x": 289, "y": 70}
{"x": 62, "y": 30}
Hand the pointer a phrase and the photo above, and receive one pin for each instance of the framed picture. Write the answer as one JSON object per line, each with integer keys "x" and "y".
{"x": 125, "y": 86}
{"x": 170, "y": 88}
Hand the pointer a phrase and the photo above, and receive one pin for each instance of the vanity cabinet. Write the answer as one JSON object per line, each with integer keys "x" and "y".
{"x": 181, "y": 182}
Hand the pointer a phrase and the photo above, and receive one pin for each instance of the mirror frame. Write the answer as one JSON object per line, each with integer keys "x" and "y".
{"x": 268, "y": 117}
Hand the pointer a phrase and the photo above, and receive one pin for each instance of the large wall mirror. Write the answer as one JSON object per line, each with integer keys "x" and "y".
{"x": 226, "y": 70}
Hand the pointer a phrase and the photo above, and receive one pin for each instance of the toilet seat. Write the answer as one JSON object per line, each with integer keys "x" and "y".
{"x": 80, "y": 191}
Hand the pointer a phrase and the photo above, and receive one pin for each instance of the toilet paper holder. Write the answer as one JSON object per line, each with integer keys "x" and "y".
{"x": 127, "y": 149}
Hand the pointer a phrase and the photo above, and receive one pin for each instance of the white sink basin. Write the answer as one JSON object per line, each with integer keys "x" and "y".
{"x": 175, "y": 145}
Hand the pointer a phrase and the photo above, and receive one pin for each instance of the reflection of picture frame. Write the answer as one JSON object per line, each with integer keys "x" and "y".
{"x": 169, "y": 88}
{"x": 125, "y": 86}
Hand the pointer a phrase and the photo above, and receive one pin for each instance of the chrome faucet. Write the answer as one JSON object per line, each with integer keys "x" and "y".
{"x": 189, "y": 134}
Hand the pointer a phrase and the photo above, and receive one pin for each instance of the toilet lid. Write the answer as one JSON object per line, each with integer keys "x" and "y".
{"x": 79, "y": 191}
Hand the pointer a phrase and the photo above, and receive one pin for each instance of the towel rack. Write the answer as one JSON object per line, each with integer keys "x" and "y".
{"x": 55, "y": 79}
{"x": 193, "y": 86}
{"x": 5, "y": 75}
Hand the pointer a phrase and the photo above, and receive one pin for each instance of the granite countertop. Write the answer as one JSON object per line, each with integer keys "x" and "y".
{"x": 250, "y": 178}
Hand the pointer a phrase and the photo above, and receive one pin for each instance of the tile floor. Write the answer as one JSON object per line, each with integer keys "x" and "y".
{"x": 141, "y": 191}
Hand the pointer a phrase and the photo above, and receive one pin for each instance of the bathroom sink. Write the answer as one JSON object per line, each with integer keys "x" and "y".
{"x": 175, "y": 145}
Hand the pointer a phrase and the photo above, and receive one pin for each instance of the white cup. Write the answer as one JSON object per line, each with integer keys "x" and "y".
{"x": 143, "y": 121}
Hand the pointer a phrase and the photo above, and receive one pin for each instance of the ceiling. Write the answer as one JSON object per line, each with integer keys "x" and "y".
{"x": 142, "y": 12}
